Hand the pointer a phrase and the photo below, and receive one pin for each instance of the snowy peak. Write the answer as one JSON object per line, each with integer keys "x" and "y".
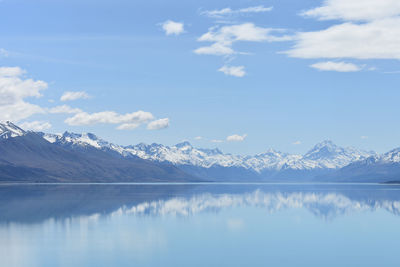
{"x": 329, "y": 155}
{"x": 272, "y": 153}
{"x": 213, "y": 152}
{"x": 324, "y": 150}
{"x": 324, "y": 155}
{"x": 327, "y": 150}
{"x": 9, "y": 130}
{"x": 52, "y": 138}
{"x": 391, "y": 156}
{"x": 77, "y": 140}
{"x": 184, "y": 145}
{"x": 88, "y": 140}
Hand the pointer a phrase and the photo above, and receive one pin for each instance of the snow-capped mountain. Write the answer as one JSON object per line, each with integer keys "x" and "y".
{"x": 329, "y": 155}
{"x": 81, "y": 141}
{"x": 325, "y": 155}
{"x": 376, "y": 168}
{"x": 323, "y": 159}
{"x": 28, "y": 157}
{"x": 8, "y": 130}
{"x": 391, "y": 156}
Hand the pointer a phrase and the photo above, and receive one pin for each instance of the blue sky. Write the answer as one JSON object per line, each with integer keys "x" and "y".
{"x": 281, "y": 74}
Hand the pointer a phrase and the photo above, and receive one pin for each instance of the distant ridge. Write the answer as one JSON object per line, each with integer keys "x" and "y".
{"x": 28, "y": 157}
{"x": 182, "y": 162}
{"x": 213, "y": 164}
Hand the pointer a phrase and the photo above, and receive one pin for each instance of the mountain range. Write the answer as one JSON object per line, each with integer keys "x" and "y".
{"x": 71, "y": 157}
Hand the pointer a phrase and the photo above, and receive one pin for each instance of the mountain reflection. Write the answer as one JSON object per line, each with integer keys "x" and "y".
{"x": 327, "y": 206}
{"x": 37, "y": 203}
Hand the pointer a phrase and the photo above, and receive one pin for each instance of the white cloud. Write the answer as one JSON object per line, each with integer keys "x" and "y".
{"x": 35, "y": 125}
{"x": 216, "y": 49}
{"x": 11, "y": 71}
{"x": 228, "y": 11}
{"x": 237, "y": 71}
{"x": 128, "y": 126}
{"x": 216, "y": 141}
{"x": 374, "y": 40}
{"x": 64, "y": 109}
{"x": 13, "y": 93}
{"x": 240, "y": 32}
{"x": 171, "y": 27}
{"x": 19, "y": 111}
{"x": 224, "y": 37}
{"x": 14, "y": 90}
{"x": 109, "y": 117}
{"x": 336, "y": 66}
{"x": 297, "y": 143}
{"x": 370, "y": 31}
{"x": 70, "y": 96}
{"x": 198, "y": 138}
{"x": 158, "y": 124}
{"x": 364, "y": 137}
{"x": 255, "y": 9}
{"x": 236, "y": 138}
{"x": 355, "y": 10}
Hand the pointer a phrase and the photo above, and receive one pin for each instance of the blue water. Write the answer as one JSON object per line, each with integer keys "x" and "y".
{"x": 199, "y": 225}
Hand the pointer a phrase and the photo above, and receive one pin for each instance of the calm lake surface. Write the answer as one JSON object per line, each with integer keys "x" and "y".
{"x": 199, "y": 225}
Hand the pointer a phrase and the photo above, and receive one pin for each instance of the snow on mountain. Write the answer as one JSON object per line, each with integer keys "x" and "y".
{"x": 81, "y": 141}
{"x": 324, "y": 155}
{"x": 184, "y": 154}
{"x": 328, "y": 155}
{"x": 9, "y": 130}
{"x": 391, "y": 156}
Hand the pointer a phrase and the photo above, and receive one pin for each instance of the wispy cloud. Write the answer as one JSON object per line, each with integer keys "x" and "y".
{"x": 216, "y": 49}
{"x": 224, "y": 37}
{"x": 64, "y": 109}
{"x": 128, "y": 126}
{"x": 109, "y": 117}
{"x": 297, "y": 143}
{"x": 354, "y": 10}
{"x": 237, "y": 71}
{"x": 219, "y": 13}
{"x": 336, "y": 66}
{"x": 70, "y": 96}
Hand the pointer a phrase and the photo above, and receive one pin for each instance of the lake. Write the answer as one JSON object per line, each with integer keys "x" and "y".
{"x": 200, "y": 225}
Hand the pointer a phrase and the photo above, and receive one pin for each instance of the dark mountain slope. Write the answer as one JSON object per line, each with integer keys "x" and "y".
{"x": 30, "y": 158}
